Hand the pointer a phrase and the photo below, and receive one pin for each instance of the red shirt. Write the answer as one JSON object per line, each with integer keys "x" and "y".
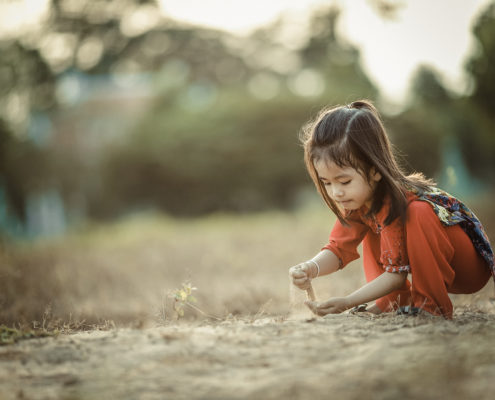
{"x": 344, "y": 240}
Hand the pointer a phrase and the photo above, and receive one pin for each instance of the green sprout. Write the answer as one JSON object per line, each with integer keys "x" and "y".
{"x": 183, "y": 297}
{"x": 12, "y": 335}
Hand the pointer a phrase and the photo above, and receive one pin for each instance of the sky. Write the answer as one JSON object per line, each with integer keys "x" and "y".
{"x": 432, "y": 32}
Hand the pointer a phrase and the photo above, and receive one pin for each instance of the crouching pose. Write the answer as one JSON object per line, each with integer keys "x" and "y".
{"x": 409, "y": 228}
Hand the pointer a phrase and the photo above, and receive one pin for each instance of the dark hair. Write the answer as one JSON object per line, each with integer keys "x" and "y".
{"x": 354, "y": 136}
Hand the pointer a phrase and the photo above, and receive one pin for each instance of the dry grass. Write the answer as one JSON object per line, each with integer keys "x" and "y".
{"x": 125, "y": 272}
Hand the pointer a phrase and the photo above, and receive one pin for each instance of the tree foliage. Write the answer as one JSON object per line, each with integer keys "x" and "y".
{"x": 240, "y": 151}
{"x": 435, "y": 116}
{"x": 481, "y": 65}
{"x": 478, "y": 134}
{"x": 221, "y": 129}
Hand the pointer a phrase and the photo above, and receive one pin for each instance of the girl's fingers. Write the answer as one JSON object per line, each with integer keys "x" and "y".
{"x": 312, "y": 305}
{"x": 302, "y": 285}
{"x": 321, "y": 309}
{"x": 325, "y": 311}
{"x": 298, "y": 273}
{"x": 300, "y": 281}
{"x": 326, "y": 304}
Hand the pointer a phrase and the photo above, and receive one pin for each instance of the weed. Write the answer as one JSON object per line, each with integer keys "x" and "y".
{"x": 182, "y": 297}
{"x": 12, "y": 335}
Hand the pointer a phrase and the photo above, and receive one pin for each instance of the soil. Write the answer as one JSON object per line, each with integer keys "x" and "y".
{"x": 346, "y": 356}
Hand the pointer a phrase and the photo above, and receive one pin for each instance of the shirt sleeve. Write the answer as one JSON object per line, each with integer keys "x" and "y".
{"x": 393, "y": 248}
{"x": 344, "y": 240}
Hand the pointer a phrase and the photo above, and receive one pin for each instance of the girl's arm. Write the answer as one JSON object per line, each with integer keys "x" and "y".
{"x": 379, "y": 287}
{"x": 327, "y": 261}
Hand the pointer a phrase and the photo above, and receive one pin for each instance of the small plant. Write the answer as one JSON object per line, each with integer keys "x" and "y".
{"x": 182, "y": 297}
{"x": 12, "y": 335}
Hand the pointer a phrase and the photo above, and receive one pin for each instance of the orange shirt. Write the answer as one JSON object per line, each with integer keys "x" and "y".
{"x": 344, "y": 240}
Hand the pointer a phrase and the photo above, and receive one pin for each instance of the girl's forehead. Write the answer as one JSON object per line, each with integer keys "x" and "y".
{"x": 328, "y": 167}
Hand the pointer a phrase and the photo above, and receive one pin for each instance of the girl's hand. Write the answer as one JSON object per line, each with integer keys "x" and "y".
{"x": 335, "y": 305}
{"x": 302, "y": 274}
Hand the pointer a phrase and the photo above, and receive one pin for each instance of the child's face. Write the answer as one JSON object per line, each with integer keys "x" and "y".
{"x": 346, "y": 186}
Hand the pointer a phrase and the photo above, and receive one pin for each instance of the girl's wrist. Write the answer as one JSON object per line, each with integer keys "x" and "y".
{"x": 316, "y": 268}
{"x": 349, "y": 303}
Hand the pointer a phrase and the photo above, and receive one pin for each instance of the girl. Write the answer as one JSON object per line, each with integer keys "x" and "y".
{"x": 408, "y": 226}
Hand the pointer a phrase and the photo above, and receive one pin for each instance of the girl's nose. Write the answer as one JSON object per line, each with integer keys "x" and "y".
{"x": 337, "y": 193}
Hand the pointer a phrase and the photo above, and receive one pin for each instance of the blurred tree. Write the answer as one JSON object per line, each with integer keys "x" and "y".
{"x": 26, "y": 86}
{"x": 31, "y": 64}
{"x": 387, "y": 9}
{"x": 26, "y": 83}
{"x": 419, "y": 130}
{"x": 86, "y": 35}
{"x": 435, "y": 118}
{"x": 8, "y": 180}
{"x": 478, "y": 138}
{"x": 127, "y": 37}
{"x": 207, "y": 146}
{"x": 115, "y": 38}
{"x": 481, "y": 65}
{"x": 337, "y": 60}
{"x": 427, "y": 88}
{"x": 437, "y": 125}
{"x": 23, "y": 168}
{"x": 222, "y": 130}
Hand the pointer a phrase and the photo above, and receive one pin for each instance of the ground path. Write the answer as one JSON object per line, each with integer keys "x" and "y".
{"x": 337, "y": 357}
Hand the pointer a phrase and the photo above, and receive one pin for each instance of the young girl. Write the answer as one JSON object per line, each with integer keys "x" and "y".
{"x": 408, "y": 226}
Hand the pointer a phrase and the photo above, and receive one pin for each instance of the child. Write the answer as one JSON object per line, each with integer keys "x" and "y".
{"x": 408, "y": 227}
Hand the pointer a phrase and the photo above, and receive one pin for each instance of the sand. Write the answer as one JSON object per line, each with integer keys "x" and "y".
{"x": 255, "y": 350}
{"x": 342, "y": 356}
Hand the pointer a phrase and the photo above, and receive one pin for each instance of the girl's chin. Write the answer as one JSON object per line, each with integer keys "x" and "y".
{"x": 350, "y": 206}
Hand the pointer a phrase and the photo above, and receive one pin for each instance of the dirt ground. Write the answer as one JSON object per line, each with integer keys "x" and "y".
{"x": 258, "y": 343}
{"x": 297, "y": 357}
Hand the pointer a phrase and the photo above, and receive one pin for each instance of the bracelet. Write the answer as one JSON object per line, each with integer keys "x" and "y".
{"x": 317, "y": 267}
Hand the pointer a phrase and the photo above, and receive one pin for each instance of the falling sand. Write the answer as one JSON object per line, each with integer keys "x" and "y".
{"x": 297, "y": 297}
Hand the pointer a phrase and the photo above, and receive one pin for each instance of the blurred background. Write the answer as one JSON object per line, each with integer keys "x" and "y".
{"x": 145, "y": 143}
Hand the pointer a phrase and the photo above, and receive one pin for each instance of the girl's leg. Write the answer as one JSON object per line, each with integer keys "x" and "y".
{"x": 442, "y": 259}
{"x": 471, "y": 271}
{"x": 372, "y": 269}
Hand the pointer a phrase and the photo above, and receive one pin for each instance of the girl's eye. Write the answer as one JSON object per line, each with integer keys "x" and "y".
{"x": 346, "y": 182}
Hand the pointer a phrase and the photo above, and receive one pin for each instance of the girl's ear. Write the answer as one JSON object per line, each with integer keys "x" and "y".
{"x": 375, "y": 175}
